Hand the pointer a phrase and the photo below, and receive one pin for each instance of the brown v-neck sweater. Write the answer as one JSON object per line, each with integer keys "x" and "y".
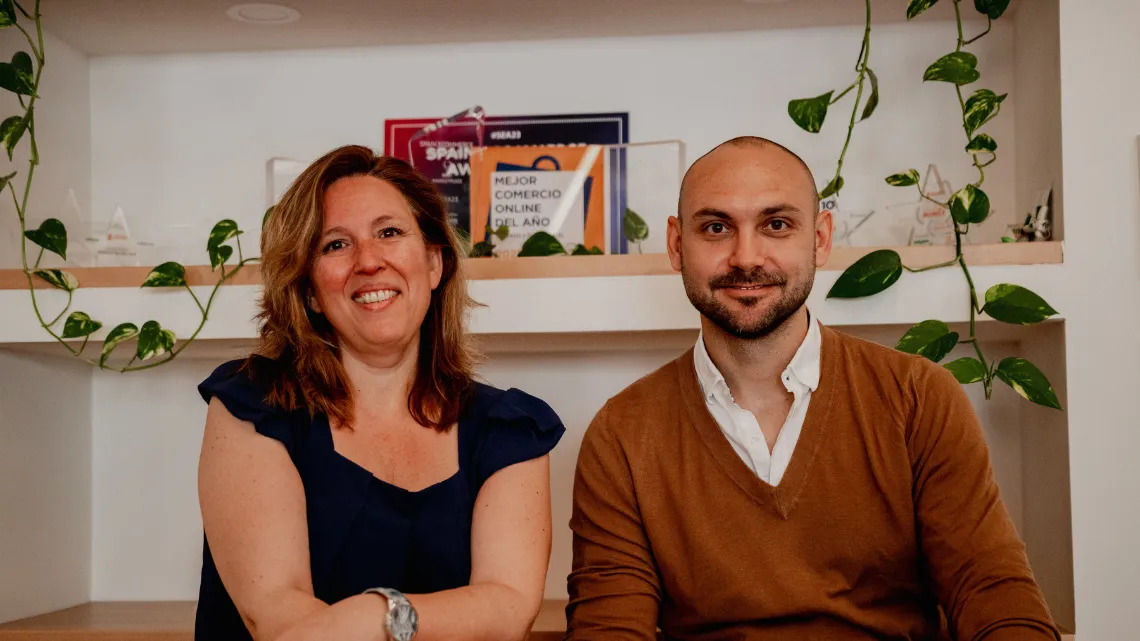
{"x": 888, "y": 510}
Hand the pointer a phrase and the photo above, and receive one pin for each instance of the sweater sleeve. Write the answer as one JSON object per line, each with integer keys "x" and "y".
{"x": 974, "y": 557}
{"x": 614, "y": 586}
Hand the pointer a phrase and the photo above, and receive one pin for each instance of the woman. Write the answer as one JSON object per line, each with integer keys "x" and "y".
{"x": 355, "y": 482}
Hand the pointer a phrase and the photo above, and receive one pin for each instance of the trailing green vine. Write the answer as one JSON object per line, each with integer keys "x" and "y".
{"x": 155, "y": 344}
{"x": 1007, "y": 303}
{"x": 810, "y": 113}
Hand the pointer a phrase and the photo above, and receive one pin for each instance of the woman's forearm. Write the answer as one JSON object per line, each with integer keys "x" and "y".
{"x": 471, "y": 613}
{"x": 358, "y": 618}
{"x": 488, "y": 611}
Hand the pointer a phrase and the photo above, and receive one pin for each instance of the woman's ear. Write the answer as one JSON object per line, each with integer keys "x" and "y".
{"x": 312, "y": 303}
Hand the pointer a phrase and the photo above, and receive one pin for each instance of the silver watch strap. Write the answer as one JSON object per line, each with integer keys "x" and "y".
{"x": 401, "y": 621}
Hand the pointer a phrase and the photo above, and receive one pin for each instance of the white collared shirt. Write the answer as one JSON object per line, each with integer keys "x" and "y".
{"x": 801, "y": 378}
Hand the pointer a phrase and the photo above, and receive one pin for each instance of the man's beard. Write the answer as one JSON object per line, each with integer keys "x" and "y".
{"x": 792, "y": 298}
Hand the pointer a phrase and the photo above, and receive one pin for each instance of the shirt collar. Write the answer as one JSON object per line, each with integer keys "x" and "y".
{"x": 804, "y": 367}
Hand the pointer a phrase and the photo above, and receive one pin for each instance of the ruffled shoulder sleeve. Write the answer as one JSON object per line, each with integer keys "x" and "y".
{"x": 512, "y": 427}
{"x": 245, "y": 398}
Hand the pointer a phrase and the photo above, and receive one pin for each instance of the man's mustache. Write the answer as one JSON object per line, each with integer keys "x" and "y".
{"x": 756, "y": 277}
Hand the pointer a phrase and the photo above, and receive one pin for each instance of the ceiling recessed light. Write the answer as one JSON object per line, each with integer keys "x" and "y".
{"x": 263, "y": 13}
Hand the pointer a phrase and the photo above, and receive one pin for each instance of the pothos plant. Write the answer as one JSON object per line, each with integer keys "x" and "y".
{"x": 970, "y": 205}
{"x": 155, "y": 345}
{"x": 543, "y": 243}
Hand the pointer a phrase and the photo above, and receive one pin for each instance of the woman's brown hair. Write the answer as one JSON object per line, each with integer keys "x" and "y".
{"x": 297, "y": 357}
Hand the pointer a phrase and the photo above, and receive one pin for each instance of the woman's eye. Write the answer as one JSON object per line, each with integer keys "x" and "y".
{"x": 391, "y": 232}
{"x": 334, "y": 246}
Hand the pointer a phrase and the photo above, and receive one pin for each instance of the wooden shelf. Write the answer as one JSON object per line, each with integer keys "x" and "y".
{"x": 174, "y": 621}
{"x": 581, "y": 266}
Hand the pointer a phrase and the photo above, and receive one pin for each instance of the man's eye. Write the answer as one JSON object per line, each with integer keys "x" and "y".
{"x": 778, "y": 225}
{"x": 716, "y": 228}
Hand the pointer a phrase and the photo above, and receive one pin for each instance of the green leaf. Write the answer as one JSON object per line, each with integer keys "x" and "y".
{"x": 219, "y": 256}
{"x": 541, "y": 244}
{"x": 981, "y": 143}
{"x": 169, "y": 274}
{"x": 482, "y": 249}
{"x": 1007, "y": 239}
{"x": 969, "y": 205}
{"x": 265, "y": 217}
{"x": 981, "y": 107}
{"x": 906, "y": 179}
{"x": 809, "y": 113}
{"x": 23, "y": 64}
{"x": 223, "y": 231}
{"x": 873, "y": 100}
{"x": 502, "y": 232}
{"x": 123, "y": 332}
{"x": 79, "y": 325}
{"x": 7, "y": 13}
{"x": 931, "y": 338}
{"x": 4, "y": 180}
{"x": 869, "y": 275}
{"x": 991, "y": 8}
{"x": 1027, "y": 380}
{"x": 1016, "y": 305}
{"x": 11, "y": 130}
{"x": 15, "y": 80}
{"x": 154, "y": 341}
{"x": 581, "y": 250}
{"x": 967, "y": 370}
{"x": 916, "y": 7}
{"x": 51, "y": 235}
{"x": 634, "y": 227}
{"x": 58, "y": 279}
{"x": 959, "y": 68}
{"x": 832, "y": 188}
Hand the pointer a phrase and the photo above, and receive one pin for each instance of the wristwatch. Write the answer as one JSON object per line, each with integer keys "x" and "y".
{"x": 401, "y": 621}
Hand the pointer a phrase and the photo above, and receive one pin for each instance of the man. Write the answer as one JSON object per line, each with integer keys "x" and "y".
{"x": 781, "y": 480}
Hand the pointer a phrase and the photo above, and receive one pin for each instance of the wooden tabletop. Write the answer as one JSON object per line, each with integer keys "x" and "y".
{"x": 174, "y": 621}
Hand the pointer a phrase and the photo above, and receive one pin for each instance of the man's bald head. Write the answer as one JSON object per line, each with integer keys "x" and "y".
{"x": 696, "y": 170}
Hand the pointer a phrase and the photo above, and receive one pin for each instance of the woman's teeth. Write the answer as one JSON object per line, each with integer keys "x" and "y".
{"x": 375, "y": 297}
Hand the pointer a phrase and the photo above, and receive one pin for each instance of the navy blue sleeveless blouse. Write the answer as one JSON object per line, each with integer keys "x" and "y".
{"x": 364, "y": 532}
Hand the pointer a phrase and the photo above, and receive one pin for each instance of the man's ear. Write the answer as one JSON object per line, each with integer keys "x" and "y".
{"x": 824, "y": 228}
{"x": 673, "y": 242}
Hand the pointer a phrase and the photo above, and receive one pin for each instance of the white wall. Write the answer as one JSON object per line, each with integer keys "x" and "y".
{"x": 1037, "y": 112}
{"x": 186, "y": 138}
{"x": 45, "y": 484}
{"x": 1047, "y": 511}
{"x": 45, "y": 403}
{"x": 63, "y": 135}
{"x": 1101, "y": 121}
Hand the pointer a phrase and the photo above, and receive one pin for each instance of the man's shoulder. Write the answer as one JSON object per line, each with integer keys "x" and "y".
{"x": 872, "y": 355}
{"x": 645, "y": 401}
{"x": 864, "y": 361}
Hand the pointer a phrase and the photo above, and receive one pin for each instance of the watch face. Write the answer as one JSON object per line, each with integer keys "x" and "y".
{"x": 402, "y": 621}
